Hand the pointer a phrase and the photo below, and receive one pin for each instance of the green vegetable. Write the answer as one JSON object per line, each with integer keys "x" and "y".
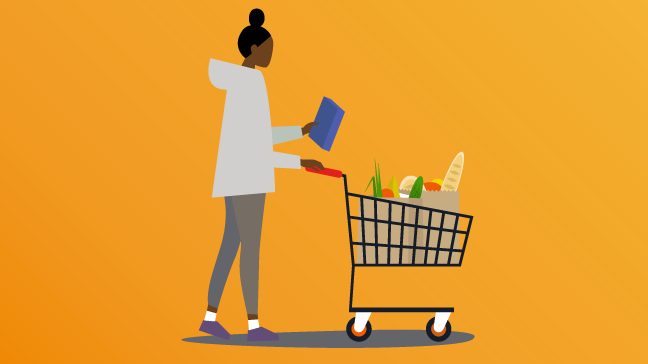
{"x": 376, "y": 181}
{"x": 378, "y": 184}
{"x": 372, "y": 181}
{"x": 417, "y": 188}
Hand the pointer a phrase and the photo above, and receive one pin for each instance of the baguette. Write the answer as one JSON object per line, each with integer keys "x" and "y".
{"x": 453, "y": 176}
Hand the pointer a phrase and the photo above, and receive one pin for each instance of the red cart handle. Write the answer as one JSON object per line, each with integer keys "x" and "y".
{"x": 325, "y": 171}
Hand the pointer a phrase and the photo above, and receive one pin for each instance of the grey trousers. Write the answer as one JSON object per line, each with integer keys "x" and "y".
{"x": 243, "y": 220}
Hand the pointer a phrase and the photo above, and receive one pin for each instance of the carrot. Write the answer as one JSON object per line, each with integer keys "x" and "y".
{"x": 386, "y": 192}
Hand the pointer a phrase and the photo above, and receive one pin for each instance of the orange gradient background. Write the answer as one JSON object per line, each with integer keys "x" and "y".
{"x": 109, "y": 134}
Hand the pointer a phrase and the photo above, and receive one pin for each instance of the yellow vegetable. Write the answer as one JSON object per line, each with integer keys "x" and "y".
{"x": 394, "y": 187}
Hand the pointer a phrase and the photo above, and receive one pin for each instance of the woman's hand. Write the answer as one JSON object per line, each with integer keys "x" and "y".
{"x": 311, "y": 163}
{"x": 307, "y": 128}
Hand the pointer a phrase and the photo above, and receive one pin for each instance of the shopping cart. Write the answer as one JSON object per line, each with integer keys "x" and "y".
{"x": 431, "y": 253}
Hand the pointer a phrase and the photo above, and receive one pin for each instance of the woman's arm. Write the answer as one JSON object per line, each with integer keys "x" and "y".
{"x": 283, "y": 160}
{"x": 282, "y": 134}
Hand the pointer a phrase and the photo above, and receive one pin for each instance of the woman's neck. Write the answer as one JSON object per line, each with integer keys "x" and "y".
{"x": 248, "y": 63}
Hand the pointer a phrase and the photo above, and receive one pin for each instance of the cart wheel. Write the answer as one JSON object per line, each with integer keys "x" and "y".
{"x": 438, "y": 336}
{"x": 358, "y": 336}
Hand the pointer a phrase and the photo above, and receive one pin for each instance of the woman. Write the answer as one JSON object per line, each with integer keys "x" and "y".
{"x": 245, "y": 170}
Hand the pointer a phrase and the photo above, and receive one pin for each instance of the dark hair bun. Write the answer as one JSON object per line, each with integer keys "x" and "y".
{"x": 257, "y": 17}
{"x": 253, "y": 34}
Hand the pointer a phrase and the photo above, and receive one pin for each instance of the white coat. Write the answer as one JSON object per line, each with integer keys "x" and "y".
{"x": 246, "y": 161}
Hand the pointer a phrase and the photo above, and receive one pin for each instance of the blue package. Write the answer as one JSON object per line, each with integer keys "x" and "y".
{"x": 327, "y": 122}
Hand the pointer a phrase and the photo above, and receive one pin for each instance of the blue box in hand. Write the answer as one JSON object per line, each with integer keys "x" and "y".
{"x": 327, "y": 122}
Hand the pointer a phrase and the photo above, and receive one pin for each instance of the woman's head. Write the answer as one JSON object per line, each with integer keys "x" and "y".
{"x": 255, "y": 42}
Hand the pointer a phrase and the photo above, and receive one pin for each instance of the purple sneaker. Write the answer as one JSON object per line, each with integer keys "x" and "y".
{"x": 215, "y": 329}
{"x": 262, "y": 334}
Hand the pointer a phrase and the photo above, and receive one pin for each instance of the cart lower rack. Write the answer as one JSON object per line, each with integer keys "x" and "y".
{"x": 392, "y": 233}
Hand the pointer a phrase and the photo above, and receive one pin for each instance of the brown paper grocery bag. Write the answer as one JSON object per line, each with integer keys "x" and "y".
{"x": 380, "y": 232}
{"x": 440, "y": 200}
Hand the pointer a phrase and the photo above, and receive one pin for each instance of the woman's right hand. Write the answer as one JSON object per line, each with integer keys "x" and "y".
{"x": 311, "y": 163}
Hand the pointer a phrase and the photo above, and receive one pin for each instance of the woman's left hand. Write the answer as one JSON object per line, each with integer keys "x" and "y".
{"x": 307, "y": 128}
{"x": 311, "y": 163}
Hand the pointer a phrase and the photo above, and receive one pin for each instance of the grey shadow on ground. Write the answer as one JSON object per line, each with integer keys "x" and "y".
{"x": 339, "y": 339}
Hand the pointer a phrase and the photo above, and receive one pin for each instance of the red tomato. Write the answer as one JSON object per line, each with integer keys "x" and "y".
{"x": 432, "y": 186}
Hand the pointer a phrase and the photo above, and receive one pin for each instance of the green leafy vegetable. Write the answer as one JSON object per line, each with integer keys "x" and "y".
{"x": 378, "y": 184}
{"x": 417, "y": 188}
{"x": 376, "y": 181}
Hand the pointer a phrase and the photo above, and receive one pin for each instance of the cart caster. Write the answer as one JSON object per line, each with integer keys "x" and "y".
{"x": 358, "y": 336}
{"x": 438, "y": 336}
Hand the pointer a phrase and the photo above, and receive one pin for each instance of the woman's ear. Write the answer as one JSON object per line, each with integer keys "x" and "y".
{"x": 253, "y": 48}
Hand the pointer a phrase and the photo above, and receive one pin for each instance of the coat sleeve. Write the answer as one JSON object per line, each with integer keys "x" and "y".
{"x": 283, "y": 160}
{"x": 282, "y": 134}
{"x": 221, "y": 74}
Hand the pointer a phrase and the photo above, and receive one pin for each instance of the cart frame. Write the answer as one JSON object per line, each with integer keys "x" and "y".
{"x": 359, "y": 327}
{"x": 353, "y": 308}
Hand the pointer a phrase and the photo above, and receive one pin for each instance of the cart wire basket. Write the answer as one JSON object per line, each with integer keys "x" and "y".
{"x": 405, "y": 234}
{"x": 393, "y": 233}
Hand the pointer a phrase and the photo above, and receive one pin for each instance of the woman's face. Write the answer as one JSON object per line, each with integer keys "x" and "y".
{"x": 262, "y": 54}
